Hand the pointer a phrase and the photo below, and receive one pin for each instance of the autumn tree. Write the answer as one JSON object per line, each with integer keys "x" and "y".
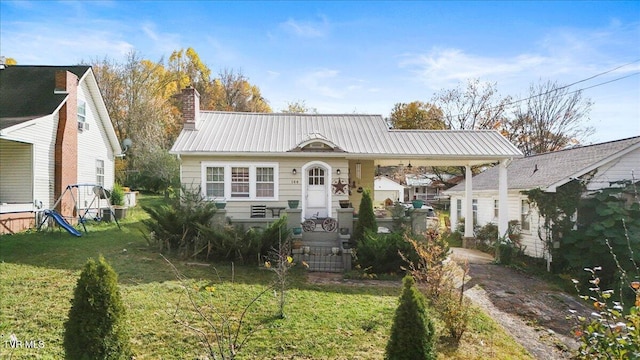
{"x": 417, "y": 115}
{"x": 551, "y": 118}
{"x": 299, "y": 107}
{"x": 8, "y": 61}
{"x": 233, "y": 92}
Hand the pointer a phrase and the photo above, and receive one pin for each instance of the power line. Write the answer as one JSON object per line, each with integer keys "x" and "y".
{"x": 569, "y": 85}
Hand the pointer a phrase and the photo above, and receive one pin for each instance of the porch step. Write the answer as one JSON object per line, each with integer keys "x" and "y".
{"x": 320, "y": 258}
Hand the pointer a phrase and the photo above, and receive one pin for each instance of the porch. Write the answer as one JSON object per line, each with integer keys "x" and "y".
{"x": 326, "y": 249}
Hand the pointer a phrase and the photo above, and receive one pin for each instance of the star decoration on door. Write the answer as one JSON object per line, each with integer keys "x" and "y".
{"x": 339, "y": 187}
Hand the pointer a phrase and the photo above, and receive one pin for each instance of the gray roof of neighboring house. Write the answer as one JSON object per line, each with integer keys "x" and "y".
{"x": 552, "y": 169}
{"x": 27, "y": 92}
{"x": 365, "y": 135}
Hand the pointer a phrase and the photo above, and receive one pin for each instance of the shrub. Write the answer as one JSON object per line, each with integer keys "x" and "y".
{"x": 366, "y": 218}
{"x": 117, "y": 195}
{"x": 175, "y": 227}
{"x": 609, "y": 333}
{"x": 96, "y": 327}
{"x": 412, "y": 332}
{"x": 428, "y": 264}
{"x": 487, "y": 235}
{"x": 380, "y": 253}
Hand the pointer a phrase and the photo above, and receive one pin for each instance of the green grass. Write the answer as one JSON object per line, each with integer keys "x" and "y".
{"x": 38, "y": 272}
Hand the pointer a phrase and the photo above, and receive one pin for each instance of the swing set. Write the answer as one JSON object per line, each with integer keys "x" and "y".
{"x": 92, "y": 211}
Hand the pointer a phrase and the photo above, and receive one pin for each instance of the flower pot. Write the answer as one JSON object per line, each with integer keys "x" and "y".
{"x": 221, "y": 205}
{"x": 417, "y": 204}
{"x": 293, "y": 204}
{"x": 297, "y": 230}
{"x": 344, "y": 204}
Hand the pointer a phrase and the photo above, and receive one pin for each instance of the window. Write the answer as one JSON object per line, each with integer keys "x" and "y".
{"x": 239, "y": 181}
{"x": 82, "y": 111}
{"x": 316, "y": 176}
{"x": 459, "y": 209}
{"x": 100, "y": 172}
{"x": 474, "y": 206}
{"x": 264, "y": 182}
{"x": 496, "y": 208}
{"x": 524, "y": 215}
{"x": 214, "y": 184}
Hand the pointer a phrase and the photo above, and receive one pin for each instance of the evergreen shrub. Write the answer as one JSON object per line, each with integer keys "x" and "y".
{"x": 96, "y": 327}
{"x": 412, "y": 332}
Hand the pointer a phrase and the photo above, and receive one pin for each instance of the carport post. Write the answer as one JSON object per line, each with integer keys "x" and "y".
{"x": 503, "y": 206}
{"x": 468, "y": 195}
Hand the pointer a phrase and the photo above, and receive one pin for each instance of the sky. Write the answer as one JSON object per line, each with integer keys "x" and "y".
{"x": 359, "y": 57}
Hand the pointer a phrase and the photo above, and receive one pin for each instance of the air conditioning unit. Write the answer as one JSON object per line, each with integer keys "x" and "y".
{"x": 83, "y": 126}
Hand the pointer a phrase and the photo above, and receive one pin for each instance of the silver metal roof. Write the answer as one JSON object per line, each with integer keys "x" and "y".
{"x": 365, "y": 136}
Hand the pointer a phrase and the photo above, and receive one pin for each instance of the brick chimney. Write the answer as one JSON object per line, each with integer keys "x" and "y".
{"x": 66, "y": 145}
{"x": 190, "y": 108}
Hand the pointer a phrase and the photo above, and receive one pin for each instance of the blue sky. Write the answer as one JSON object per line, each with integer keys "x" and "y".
{"x": 344, "y": 57}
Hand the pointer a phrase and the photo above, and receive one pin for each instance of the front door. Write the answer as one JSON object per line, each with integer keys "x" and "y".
{"x": 316, "y": 192}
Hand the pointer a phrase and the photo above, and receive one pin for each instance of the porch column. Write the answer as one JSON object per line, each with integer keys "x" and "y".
{"x": 503, "y": 206}
{"x": 468, "y": 198}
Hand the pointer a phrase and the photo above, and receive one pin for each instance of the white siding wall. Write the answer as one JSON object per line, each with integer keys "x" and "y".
{"x": 290, "y": 186}
{"x": 16, "y": 172}
{"x": 93, "y": 145}
{"x": 533, "y": 245}
{"x": 41, "y": 133}
{"x": 619, "y": 169}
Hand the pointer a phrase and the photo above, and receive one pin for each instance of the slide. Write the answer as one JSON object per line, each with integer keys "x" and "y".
{"x": 62, "y": 222}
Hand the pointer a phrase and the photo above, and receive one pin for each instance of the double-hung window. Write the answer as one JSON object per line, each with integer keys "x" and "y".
{"x": 100, "y": 172}
{"x": 214, "y": 182}
{"x": 82, "y": 111}
{"x": 524, "y": 215}
{"x": 240, "y": 181}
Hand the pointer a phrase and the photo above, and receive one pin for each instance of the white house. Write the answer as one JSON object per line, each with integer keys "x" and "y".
{"x": 385, "y": 188}
{"x": 54, "y": 131}
{"x": 597, "y": 166}
{"x": 251, "y": 159}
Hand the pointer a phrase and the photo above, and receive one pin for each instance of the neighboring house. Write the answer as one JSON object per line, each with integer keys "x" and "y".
{"x": 264, "y": 160}
{"x": 597, "y": 166}
{"x": 386, "y": 189}
{"x": 54, "y": 131}
{"x": 427, "y": 187}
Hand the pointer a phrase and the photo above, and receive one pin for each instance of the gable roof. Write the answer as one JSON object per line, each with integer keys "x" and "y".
{"x": 550, "y": 170}
{"x": 27, "y": 92}
{"x": 362, "y": 136}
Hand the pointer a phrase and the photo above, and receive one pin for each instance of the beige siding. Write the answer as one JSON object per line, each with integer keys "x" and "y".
{"x": 289, "y": 187}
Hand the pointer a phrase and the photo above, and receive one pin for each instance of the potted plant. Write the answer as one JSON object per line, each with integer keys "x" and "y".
{"x": 417, "y": 204}
{"x": 117, "y": 200}
{"x": 220, "y": 204}
{"x": 293, "y": 204}
{"x": 345, "y": 204}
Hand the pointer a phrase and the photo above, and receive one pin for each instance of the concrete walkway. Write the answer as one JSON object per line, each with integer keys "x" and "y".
{"x": 472, "y": 256}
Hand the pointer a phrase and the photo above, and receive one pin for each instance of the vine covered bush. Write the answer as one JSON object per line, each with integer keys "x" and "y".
{"x": 96, "y": 327}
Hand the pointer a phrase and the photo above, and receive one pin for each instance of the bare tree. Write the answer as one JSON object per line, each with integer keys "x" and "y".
{"x": 477, "y": 106}
{"x": 550, "y": 119}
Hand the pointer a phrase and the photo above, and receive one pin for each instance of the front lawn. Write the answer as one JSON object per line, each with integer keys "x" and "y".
{"x": 38, "y": 272}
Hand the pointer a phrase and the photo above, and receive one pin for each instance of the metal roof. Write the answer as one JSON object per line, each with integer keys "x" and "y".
{"x": 552, "y": 169}
{"x": 365, "y": 136}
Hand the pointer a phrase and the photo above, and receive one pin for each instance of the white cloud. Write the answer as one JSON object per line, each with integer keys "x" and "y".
{"x": 306, "y": 29}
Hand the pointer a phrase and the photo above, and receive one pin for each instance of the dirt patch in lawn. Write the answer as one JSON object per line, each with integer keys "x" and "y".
{"x": 532, "y": 310}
